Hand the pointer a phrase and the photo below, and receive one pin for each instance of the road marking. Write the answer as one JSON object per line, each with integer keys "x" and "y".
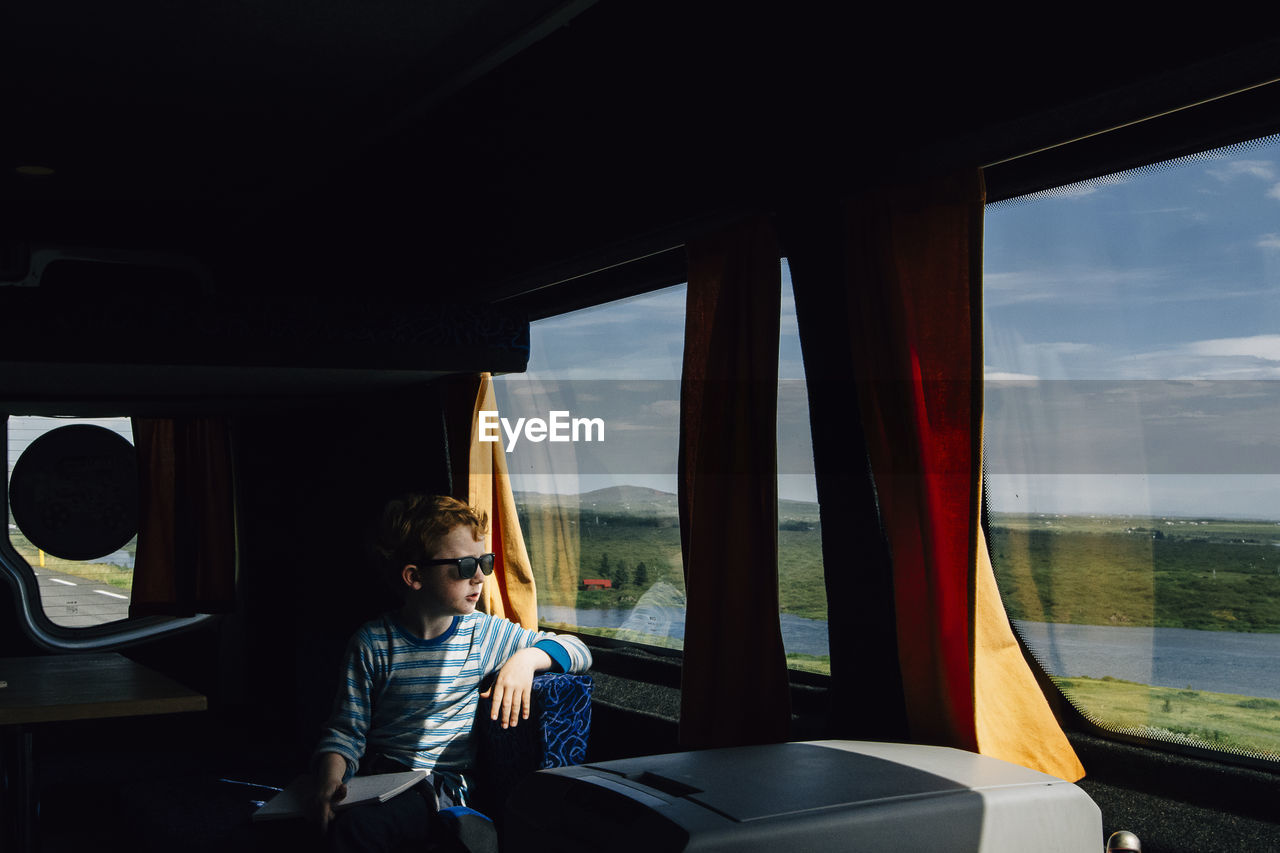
{"x": 61, "y": 581}
{"x": 112, "y": 594}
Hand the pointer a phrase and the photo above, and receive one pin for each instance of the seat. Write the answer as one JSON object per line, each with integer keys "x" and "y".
{"x": 555, "y": 735}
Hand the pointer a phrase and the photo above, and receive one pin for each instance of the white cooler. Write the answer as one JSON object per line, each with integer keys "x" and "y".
{"x": 800, "y": 797}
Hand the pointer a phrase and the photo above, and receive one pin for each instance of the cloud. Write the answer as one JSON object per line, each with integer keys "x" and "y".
{"x": 1264, "y": 347}
{"x": 1269, "y": 241}
{"x": 1246, "y": 357}
{"x": 1078, "y": 285}
{"x": 1263, "y": 170}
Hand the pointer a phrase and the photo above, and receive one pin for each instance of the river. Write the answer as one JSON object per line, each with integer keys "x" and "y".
{"x": 799, "y": 635}
{"x": 1218, "y": 661}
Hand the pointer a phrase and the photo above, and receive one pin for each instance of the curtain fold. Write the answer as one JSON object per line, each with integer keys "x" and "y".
{"x": 186, "y": 555}
{"x": 734, "y": 687}
{"x": 510, "y": 592}
{"x": 857, "y": 568}
{"x": 913, "y": 266}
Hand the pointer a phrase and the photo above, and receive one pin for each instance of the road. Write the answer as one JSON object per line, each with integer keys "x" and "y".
{"x": 74, "y": 602}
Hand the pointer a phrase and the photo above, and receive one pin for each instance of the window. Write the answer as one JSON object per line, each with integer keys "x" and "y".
{"x": 74, "y": 598}
{"x": 74, "y": 593}
{"x": 601, "y": 517}
{"x": 802, "y": 587}
{"x": 1133, "y": 453}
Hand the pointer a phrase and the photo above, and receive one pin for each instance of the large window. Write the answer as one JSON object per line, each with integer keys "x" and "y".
{"x": 72, "y": 524}
{"x": 599, "y": 510}
{"x": 81, "y": 590}
{"x": 1133, "y": 446}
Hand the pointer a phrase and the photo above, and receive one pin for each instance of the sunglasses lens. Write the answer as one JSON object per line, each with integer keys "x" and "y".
{"x": 467, "y": 565}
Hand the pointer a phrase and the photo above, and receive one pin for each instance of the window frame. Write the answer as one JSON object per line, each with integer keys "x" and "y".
{"x": 616, "y": 283}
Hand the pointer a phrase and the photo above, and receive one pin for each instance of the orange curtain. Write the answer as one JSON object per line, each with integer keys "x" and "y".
{"x": 480, "y": 478}
{"x": 734, "y": 679}
{"x": 913, "y": 266}
{"x": 186, "y": 556}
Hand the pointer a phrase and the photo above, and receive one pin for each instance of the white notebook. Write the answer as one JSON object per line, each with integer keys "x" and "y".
{"x": 294, "y": 800}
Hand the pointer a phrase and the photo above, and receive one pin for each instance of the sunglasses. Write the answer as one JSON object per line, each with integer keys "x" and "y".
{"x": 466, "y": 565}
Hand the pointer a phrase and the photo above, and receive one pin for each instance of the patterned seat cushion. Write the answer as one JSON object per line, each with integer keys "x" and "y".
{"x": 555, "y": 735}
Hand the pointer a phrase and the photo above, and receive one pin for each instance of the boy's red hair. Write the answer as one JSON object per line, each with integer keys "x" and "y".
{"x": 413, "y": 525}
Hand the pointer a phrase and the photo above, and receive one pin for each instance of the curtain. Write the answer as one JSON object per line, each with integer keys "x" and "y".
{"x": 484, "y": 483}
{"x": 913, "y": 267}
{"x": 734, "y": 680}
{"x": 858, "y": 571}
{"x": 186, "y": 555}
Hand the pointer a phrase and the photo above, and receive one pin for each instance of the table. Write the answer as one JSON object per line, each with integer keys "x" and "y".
{"x": 58, "y": 688}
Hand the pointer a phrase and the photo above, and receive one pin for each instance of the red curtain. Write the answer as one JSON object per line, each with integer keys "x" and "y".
{"x": 913, "y": 263}
{"x": 911, "y": 257}
{"x": 734, "y": 680}
{"x": 186, "y": 557}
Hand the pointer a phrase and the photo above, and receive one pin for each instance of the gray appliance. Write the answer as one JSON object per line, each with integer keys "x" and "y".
{"x": 800, "y": 797}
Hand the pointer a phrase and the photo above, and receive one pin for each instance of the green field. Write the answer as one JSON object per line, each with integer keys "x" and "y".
{"x": 568, "y": 544}
{"x": 1203, "y": 573}
{"x": 611, "y": 533}
{"x": 1217, "y": 720}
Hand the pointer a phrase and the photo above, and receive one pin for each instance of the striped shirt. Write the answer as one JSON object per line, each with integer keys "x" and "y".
{"x": 414, "y": 700}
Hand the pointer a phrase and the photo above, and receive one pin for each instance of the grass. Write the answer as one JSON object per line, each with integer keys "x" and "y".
{"x": 565, "y": 548}
{"x": 1207, "y": 574}
{"x": 107, "y": 573}
{"x": 1245, "y": 724}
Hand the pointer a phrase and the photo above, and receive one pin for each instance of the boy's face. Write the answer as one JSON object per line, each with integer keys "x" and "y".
{"x": 442, "y": 589}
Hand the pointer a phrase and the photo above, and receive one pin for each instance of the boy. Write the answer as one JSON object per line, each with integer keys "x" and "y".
{"x": 413, "y": 676}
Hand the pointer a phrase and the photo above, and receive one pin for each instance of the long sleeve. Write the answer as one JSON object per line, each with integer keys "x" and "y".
{"x": 498, "y": 639}
{"x": 348, "y": 723}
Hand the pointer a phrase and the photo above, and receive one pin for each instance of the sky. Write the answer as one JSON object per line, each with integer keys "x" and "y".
{"x": 621, "y": 362}
{"x": 1132, "y": 342}
{"x": 24, "y": 429}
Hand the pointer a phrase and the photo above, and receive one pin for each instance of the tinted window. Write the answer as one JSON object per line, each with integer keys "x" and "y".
{"x": 1133, "y": 462}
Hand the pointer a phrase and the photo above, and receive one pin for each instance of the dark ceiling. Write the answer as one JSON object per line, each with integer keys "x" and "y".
{"x": 388, "y": 149}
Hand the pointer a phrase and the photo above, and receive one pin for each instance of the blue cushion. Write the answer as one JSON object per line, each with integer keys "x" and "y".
{"x": 555, "y": 735}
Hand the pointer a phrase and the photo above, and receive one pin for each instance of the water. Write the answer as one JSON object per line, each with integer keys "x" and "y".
{"x": 1217, "y": 661}
{"x": 799, "y": 635}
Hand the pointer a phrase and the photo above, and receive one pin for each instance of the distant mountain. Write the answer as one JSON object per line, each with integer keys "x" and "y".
{"x": 628, "y": 494}
{"x": 614, "y": 500}
{"x": 639, "y": 500}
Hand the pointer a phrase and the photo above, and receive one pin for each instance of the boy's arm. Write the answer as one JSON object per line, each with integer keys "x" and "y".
{"x": 329, "y": 788}
{"x": 343, "y": 741}
{"x": 512, "y": 690}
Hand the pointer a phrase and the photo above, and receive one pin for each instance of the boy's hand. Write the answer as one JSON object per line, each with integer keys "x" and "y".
{"x": 329, "y": 789}
{"x": 512, "y": 690}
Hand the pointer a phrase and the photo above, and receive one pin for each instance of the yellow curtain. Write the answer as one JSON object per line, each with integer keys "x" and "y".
{"x": 1013, "y": 718}
{"x": 510, "y": 592}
